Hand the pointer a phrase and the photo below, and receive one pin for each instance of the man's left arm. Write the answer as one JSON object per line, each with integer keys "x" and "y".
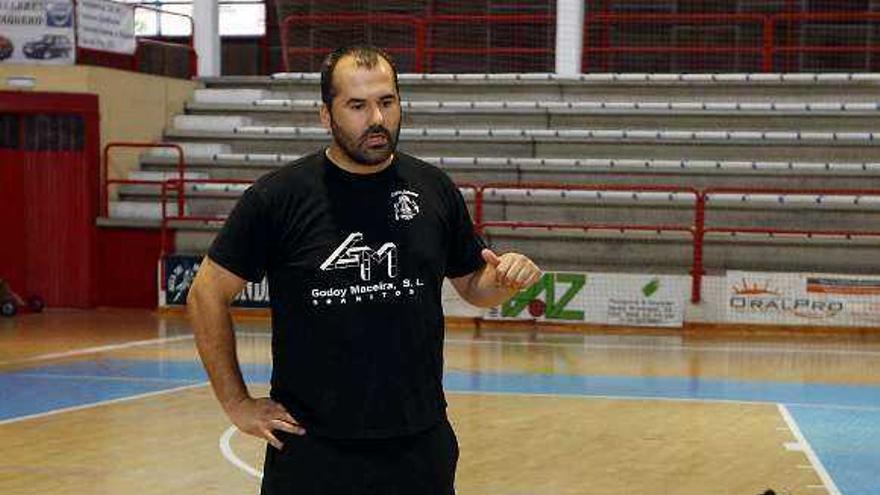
{"x": 498, "y": 280}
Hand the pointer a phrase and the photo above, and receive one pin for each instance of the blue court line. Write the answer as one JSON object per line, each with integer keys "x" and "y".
{"x": 854, "y": 396}
{"x": 841, "y": 422}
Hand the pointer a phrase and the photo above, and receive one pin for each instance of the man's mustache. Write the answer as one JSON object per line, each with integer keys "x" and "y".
{"x": 376, "y": 129}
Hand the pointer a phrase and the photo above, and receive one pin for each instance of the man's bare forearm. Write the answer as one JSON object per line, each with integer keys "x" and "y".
{"x": 215, "y": 340}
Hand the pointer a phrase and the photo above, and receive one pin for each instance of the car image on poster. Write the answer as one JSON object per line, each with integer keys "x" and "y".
{"x": 48, "y": 46}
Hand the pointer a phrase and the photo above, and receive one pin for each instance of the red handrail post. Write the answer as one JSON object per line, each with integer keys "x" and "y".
{"x": 164, "y": 227}
{"x": 264, "y": 49}
{"x": 585, "y": 50}
{"x": 697, "y": 269}
{"x": 282, "y": 36}
{"x": 136, "y": 58}
{"x": 193, "y": 64}
{"x": 605, "y": 42}
{"x": 105, "y": 170}
{"x": 422, "y": 62}
{"x": 768, "y": 45}
{"x": 478, "y": 207}
{"x": 193, "y": 56}
{"x": 104, "y": 194}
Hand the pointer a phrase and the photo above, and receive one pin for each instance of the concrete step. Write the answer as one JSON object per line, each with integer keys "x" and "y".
{"x": 190, "y": 149}
{"x": 592, "y": 165}
{"x": 671, "y": 252}
{"x": 163, "y": 175}
{"x": 547, "y": 87}
{"x": 525, "y": 107}
{"x": 228, "y": 95}
{"x": 818, "y": 116}
{"x": 218, "y": 123}
{"x": 655, "y": 251}
{"x": 140, "y": 210}
{"x": 554, "y": 143}
{"x": 698, "y": 174}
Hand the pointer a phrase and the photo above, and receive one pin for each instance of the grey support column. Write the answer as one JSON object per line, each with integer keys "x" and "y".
{"x": 569, "y": 36}
{"x": 206, "y": 14}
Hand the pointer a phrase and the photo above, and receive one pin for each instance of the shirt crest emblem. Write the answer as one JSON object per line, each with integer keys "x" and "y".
{"x": 406, "y": 206}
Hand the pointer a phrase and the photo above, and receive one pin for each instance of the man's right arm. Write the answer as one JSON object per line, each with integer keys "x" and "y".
{"x": 208, "y": 302}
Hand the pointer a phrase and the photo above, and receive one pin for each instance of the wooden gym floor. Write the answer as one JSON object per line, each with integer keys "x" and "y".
{"x": 110, "y": 402}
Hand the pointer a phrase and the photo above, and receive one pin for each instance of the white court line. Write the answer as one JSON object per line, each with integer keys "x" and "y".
{"x": 801, "y": 445}
{"x": 656, "y": 398}
{"x": 839, "y": 407}
{"x": 101, "y": 403}
{"x": 668, "y": 348}
{"x": 804, "y": 446}
{"x": 651, "y": 347}
{"x": 230, "y": 455}
{"x": 608, "y": 397}
{"x": 134, "y": 379}
{"x": 94, "y": 350}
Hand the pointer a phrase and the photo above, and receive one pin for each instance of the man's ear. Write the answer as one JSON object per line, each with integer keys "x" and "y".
{"x": 325, "y": 116}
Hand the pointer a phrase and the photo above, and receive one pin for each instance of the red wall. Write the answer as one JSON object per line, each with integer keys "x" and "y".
{"x": 49, "y": 203}
{"x": 12, "y": 211}
{"x": 127, "y": 272}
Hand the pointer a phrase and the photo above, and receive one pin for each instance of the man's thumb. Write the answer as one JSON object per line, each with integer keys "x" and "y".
{"x": 491, "y": 257}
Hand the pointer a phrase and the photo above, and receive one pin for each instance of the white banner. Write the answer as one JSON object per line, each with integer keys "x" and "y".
{"x": 601, "y": 298}
{"x": 36, "y": 32}
{"x": 106, "y": 26}
{"x": 803, "y": 298}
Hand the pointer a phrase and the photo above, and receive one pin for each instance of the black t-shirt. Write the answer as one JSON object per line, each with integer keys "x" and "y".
{"x": 355, "y": 265}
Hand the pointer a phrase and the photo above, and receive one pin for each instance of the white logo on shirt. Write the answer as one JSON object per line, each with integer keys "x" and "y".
{"x": 350, "y": 254}
{"x": 405, "y": 205}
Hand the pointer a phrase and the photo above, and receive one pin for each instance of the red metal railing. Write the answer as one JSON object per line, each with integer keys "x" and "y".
{"x": 784, "y": 191}
{"x": 607, "y": 48}
{"x": 766, "y": 47}
{"x": 421, "y": 46}
{"x": 105, "y": 171}
{"x": 179, "y": 186}
{"x": 416, "y": 47}
{"x": 434, "y": 21}
{"x": 695, "y": 230}
{"x": 696, "y": 271}
{"x": 808, "y": 233}
{"x": 704, "y": 204}
{"x": 698, "y": 230}
{"x": 480, "y": 200}
{"x": 132, "y": 62}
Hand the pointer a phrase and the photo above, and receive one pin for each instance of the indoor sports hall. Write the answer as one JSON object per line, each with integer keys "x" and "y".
{"x": 698, "y": 182}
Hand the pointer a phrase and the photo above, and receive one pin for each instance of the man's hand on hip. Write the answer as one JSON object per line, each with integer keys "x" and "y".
{"x": 259, "y": 417}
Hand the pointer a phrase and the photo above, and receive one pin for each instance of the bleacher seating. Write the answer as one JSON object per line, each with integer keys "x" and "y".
{"x": 684, "y": 130}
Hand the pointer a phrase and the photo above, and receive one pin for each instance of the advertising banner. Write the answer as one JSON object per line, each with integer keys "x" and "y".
{"x": 180, "y": 271}
{"x": 600, "y": 298}
{"x": 106, "y": 26}
{"x": 803, "y": 298}
{"x": 37, "y": 32}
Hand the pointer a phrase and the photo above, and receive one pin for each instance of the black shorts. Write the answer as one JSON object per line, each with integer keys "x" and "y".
{"x": 420, "y": 464}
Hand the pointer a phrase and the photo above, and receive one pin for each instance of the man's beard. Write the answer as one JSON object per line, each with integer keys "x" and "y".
{"x": 357, "y": 149}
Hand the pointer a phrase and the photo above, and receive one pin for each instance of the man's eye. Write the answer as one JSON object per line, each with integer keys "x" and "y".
{"x": 387, "y": 103}
{"x": 357, "y": 106}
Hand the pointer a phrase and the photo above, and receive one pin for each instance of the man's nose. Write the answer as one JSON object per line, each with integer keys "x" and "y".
{"x": 376, "y": 115}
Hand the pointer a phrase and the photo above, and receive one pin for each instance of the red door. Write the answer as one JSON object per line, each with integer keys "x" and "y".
{"x": 48, "y": 195}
